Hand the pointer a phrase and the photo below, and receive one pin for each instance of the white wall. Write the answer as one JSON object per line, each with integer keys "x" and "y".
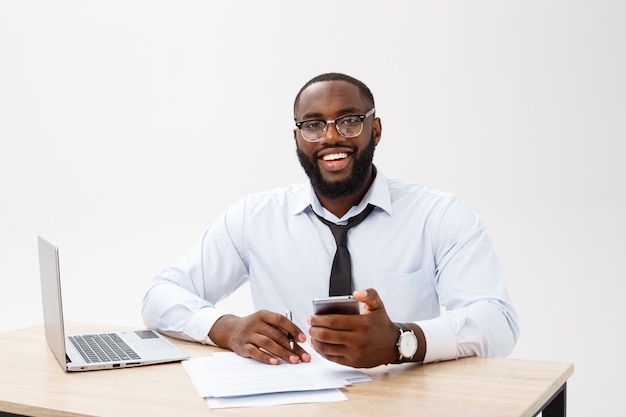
{"x": 126, "y": 127}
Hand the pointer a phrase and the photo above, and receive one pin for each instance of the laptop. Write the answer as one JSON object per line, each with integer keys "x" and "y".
{"x": 88, "y": 352}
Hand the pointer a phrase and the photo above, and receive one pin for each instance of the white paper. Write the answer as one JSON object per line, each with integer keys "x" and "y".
{"x": 351, "y": 375}
{"x": 227, "y": 374}
{"x": 329, "y": 395}
{"x": 229, "y": 380}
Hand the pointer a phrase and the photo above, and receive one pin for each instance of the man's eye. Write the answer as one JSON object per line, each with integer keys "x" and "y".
{"x": 313, "y": 124}
{"x": 349, "y": 120}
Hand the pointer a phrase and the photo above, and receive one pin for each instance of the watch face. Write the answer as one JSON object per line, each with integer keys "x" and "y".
{"x": 408, "y": 344}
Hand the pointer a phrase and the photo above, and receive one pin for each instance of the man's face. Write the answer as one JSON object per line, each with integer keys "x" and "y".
{"x": 337, "y": 166}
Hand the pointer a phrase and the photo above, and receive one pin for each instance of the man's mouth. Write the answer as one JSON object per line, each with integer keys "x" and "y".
{"x": 335, "y": 156}
{"x": 332, "y": 160}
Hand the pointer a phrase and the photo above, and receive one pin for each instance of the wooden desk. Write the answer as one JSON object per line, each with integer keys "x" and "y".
{"x": 32, "y": 383}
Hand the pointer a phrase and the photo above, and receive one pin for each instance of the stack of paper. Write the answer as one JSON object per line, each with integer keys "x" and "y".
{"x": 229, "y": 380}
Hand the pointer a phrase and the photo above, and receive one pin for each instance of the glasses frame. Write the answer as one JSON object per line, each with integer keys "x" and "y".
{"x": 334, "y": 121}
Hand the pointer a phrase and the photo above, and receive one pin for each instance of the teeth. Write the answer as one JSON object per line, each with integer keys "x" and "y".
{"x": 335, "y": 156}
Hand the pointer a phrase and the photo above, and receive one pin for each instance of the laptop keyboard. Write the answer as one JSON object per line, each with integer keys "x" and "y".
{"x": 105, "y": 347}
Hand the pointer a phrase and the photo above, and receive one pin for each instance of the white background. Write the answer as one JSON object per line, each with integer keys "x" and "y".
{"x": 127, "y": 127}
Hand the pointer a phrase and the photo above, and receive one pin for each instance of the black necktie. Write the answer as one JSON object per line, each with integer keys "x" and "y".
{"x": 341, "y": 272}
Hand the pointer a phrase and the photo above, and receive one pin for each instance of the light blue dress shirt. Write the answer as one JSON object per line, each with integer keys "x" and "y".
{"x": 423, "y": 250}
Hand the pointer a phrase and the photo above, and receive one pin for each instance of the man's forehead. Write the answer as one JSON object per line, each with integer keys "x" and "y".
{"x": 325, "y": 94}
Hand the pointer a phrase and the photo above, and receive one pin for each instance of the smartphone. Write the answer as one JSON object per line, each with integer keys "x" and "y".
{"x": 340, "y": 304}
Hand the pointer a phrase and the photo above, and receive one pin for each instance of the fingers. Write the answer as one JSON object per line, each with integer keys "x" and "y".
{"x": 268, "y": 351}
{"x": 340, "y": 346}
{"x": 264, "y": 336}
{"x": 370, "y": 298}
{"x": 334, "y": 321}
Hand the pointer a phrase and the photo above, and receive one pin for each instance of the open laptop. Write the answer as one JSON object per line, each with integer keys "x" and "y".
{"x": 88, "y": 352}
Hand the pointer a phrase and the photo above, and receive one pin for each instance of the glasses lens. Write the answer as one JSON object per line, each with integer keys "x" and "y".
{"x": 349, "y": 126}
{"x": 313, "y": 130}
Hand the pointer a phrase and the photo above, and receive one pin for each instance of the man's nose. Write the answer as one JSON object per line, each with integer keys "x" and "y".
{"x": 331, "y": 135}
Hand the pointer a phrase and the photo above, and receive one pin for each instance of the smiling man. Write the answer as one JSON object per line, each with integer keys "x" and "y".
{"x": 402, "y": 250}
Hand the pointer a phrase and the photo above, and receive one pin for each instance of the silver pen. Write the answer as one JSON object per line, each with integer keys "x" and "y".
{"x": 288, "y": 315}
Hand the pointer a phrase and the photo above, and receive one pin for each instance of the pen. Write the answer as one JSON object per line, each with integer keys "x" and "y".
{"x": 288, "y": 315}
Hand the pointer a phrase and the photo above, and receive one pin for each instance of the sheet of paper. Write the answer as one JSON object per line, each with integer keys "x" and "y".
{"x": 348, "y": 373}
{"x": 227, "y": 374}
{"x": 329, "y": 395}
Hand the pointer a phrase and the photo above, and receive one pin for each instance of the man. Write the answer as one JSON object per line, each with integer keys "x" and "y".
{"x": 417, "y": 250}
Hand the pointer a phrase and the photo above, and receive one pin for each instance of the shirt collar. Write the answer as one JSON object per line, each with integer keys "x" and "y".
{"x": 377, "y": 195}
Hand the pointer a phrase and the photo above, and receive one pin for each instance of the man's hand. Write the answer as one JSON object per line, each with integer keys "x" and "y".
{"x": 262, "y": 335}
{"x": 359, "y": 340}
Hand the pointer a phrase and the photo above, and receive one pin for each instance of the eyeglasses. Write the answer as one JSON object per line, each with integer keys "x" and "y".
{"x": 348, "y": 126}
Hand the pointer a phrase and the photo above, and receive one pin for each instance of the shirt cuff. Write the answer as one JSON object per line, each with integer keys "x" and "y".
{"x": 440, "y": 340}
{"x": 201, "y": 323}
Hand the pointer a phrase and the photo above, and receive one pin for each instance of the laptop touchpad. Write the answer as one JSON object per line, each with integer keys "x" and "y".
{"x": 151, "y": 344}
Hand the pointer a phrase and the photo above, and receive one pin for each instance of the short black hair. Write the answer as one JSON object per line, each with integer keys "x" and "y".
{"x": 336, "y": 76}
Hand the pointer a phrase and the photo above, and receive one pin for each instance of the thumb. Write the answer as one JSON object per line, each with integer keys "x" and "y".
{"x": 370, "y": 298}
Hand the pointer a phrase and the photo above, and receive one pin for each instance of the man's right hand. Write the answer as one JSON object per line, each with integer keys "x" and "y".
{"x": 262, "y": 335}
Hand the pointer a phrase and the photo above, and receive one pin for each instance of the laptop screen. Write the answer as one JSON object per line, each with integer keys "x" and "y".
{"x": 51, "y": 299}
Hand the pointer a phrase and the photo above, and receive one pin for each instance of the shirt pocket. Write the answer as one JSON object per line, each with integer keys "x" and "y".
{"x": 408, "y": 296}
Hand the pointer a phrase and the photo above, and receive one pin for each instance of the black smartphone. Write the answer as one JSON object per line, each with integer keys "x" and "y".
{"x": 340, "y": 304}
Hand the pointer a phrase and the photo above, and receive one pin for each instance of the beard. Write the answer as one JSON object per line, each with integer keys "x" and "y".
{"x": 342, "y": 188}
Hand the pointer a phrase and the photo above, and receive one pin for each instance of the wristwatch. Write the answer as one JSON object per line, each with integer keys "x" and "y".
{"x": 406, "y": 344}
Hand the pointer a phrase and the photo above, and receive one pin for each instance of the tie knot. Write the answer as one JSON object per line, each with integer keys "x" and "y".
{"x": 340, "y": 232}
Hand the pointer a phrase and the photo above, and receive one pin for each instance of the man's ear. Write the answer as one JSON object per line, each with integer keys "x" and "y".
{"x": 378, "y": 130}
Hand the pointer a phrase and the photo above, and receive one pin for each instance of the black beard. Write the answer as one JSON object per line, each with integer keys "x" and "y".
{"x": 337, "y": 189}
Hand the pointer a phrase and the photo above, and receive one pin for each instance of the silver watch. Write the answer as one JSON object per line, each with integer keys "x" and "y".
{"x": 406, "y": 344}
